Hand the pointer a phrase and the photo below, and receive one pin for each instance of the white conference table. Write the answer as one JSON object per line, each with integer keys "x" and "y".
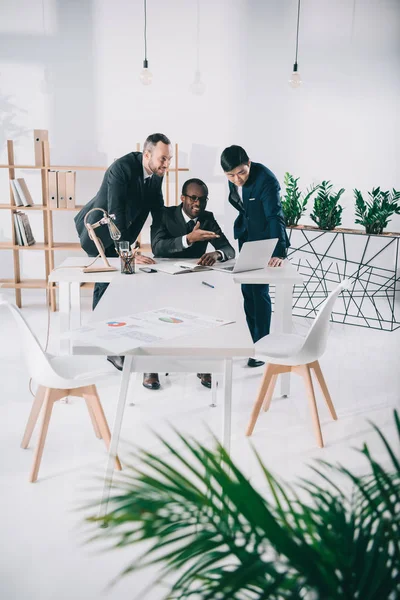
{"x": 205, "y": 351}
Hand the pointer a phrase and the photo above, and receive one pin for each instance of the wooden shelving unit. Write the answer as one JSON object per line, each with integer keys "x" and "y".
{"x": 49, "y": 245}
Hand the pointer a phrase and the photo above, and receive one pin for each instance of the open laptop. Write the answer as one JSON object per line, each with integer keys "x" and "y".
{"x": 252, "y": 256}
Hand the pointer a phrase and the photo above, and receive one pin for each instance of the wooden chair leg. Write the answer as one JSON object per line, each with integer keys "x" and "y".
{"x": 93, "y": 419}
{"x": 324, "y": 388}
{"x": 33, "y": 416}
{"x": 305, "y": 372}
{"x": 91, "y": 396}
{"x": 48, "y": 406}
{"x": 270, "y": 391}
{"x": 266, "y": 380}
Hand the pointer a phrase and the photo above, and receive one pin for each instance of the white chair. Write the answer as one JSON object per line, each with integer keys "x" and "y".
{"x": 58, "y": 377}
{"x": 288, "y": 352}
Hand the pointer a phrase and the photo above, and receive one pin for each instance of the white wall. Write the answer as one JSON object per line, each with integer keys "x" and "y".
{"x": 343, "y": 124}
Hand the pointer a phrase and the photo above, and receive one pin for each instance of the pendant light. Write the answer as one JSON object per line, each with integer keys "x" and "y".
{"x": 295, "y": 79}
{"x": 146, "y": 77}
{"x": 47, "y": 83}
{"x": 198, "y": 86}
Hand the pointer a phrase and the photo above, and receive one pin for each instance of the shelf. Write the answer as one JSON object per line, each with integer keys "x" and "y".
{"x": 29, "y": 208}
{"x": 78, "y": 207}
{"x": 36, "y": 207}
{"x": 66, "y": 246}
{"x": 54, "y": 167}
{"x": 10, "y": 246}
{"x": 33, "y": 284}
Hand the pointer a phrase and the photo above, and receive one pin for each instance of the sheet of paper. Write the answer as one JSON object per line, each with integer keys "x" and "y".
{"x": 122, "y": 334}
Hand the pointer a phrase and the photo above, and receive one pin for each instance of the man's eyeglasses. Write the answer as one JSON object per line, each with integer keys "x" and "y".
{"x": 201, "y": 199}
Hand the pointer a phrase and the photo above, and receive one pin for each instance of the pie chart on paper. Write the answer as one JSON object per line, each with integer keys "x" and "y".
{"x": 116, "y": 323}
{"x": 170, "y": 320}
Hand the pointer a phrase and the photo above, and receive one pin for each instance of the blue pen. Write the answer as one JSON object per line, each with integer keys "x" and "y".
{"x": 207, "y": 284}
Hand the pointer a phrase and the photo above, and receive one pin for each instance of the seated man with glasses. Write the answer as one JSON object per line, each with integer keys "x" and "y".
{"x": 184, "y": 232}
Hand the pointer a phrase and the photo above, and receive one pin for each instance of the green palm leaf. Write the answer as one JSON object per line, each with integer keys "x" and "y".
{"x": 205, "y": 525}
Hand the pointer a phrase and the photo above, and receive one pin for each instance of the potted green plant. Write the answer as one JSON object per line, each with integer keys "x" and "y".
{"x": 327, "y": 212}
{"x": 200, "y": 520}
{"x": 374, "y": 213}
{"x": 294, "y": 202}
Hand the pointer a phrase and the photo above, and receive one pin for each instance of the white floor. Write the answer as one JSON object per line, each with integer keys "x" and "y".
{"x": 43, "y": 532}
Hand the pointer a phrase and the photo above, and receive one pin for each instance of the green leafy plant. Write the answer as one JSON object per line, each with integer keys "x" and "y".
{"x": 294, "y": 202}
{"x": 374, "y": 213}
{"x": 201, "y": 521}
{"x": 327, "y": 212}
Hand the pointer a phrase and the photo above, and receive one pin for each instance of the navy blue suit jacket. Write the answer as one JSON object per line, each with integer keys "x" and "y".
{"x": 260, "y": 216}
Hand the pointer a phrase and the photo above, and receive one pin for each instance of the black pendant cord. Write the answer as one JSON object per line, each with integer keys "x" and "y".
{"x": 297, "y": 34}
{"x": 145, "y": 63}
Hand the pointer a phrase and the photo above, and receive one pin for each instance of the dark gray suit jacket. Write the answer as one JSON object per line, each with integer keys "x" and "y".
{"x": 123, "y": 194}
{"x": 166, "y": 240}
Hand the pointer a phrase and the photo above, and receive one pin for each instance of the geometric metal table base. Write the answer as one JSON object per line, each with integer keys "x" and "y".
{"x": 370, "y": 262}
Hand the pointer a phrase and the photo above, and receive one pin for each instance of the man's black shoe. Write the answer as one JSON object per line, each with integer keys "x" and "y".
{"x": 252, "y": 362}
{"x": 116, "y": 361}
{"x": 205, "y": 379}
{"x": 151, "y": 381}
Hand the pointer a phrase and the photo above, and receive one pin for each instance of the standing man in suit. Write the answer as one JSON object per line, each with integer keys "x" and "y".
{"x": 185, "y": 231}
{"x": 131, "y": 189}
{"x": 254, "y": 192}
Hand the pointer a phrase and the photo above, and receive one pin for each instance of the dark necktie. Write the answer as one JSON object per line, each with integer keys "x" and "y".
{"x": 147, "y": 185}
{"x": 190, "y": 226}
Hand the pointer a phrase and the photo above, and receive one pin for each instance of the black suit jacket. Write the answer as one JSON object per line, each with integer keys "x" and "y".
{"x": 123, "y": 194}
{"x": 260, "y": 216}
{"x": 166, "y": 240}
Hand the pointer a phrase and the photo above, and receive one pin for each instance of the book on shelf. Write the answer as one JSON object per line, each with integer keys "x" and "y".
{"x": 23, "y": 231}
{"x": 18, "y": 235}
{"x": 22, "y": 195}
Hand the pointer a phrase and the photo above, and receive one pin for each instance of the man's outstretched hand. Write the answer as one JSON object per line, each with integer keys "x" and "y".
{"x": 200, "y": 235}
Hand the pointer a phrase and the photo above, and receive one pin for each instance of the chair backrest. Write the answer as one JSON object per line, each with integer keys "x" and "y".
{"x": 36, "y": 359}
{"x": 316, "y": 339}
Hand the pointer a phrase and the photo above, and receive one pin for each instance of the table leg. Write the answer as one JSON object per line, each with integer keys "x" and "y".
{"x": 112, "y": 453}
{"x": 65, "y": 315}
{"x": 227, "y": 413}
{"x": 283, "y": 322}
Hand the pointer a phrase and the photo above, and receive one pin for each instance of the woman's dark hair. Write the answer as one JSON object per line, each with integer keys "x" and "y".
{"x": 232, "y": 157}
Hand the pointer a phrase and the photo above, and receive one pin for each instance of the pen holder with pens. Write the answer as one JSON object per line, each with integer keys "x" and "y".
{"x": 127, "y": 258}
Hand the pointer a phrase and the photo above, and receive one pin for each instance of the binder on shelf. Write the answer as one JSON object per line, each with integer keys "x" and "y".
{"x": 18, "y": 236}
{"x": 70, "y": 178}
{"x": 39, "y": 136}
{"x": 53, "y": 193}
{"x": 62, "y": 199}
{"x": 23, "y": 192}
{"x": 17, "y": 199}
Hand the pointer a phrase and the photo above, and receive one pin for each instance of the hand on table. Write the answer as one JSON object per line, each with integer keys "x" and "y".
{"x": 208, "y": 259}
{"x": 200, "y": 235}
{"x": 141, "y": 259}
{"x": 275, "y": 261}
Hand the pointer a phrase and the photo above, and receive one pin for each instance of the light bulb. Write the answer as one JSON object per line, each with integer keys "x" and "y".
{"x": 197, "y": 87}
{"x": 295, "y": 79}
{"x": 146, "y": 76}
